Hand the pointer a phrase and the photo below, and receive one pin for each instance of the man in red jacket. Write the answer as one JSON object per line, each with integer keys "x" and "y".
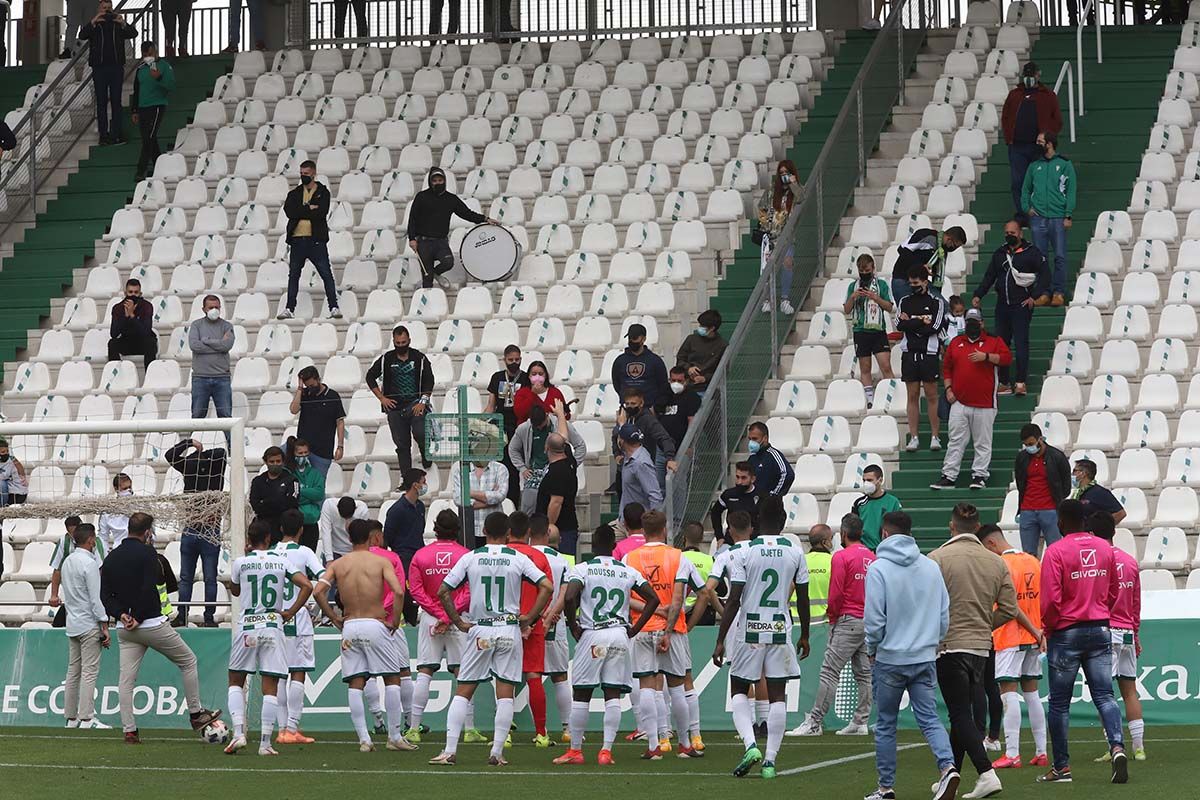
{"x": 1030, "y": 108}
{"x": 969, "y": 370}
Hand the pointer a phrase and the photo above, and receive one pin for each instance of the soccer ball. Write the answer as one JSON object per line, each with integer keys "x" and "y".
{"x": 216, "y": 733}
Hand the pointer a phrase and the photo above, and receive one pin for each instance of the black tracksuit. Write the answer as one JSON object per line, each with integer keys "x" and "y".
{"x": 429, "y": 225}
{"x": 1012, "y": 318}
{"x": 735, "y": 498}
{"x": 271, "y": 496}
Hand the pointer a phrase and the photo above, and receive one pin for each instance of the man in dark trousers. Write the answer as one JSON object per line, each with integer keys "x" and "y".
{"x": 307, "y": 207}
{"x": 131, "y": 331}
{"x": 921, "y": 320}
{"x": 402, "y": 379}
{"x": 742, "y": 496}
{"x": 153, "y": 82}
{"x": 640, "y": 368}
{"x": 202, "y": 471}
{"x": 106, "y": 35}
{"x": 273, "y": 492}
{"x": 1029, "y": 109}
{"x": 429, "y": 226}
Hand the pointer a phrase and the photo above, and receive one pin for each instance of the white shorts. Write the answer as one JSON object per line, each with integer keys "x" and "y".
{"x": 602, "y": 661}
{"x": 1016, "y": 663}
{"x": 775, "y": 662}
{"x": 558, "y": 656}
{"x": 433, "y": 649}
{"x": 648, "y": 661}
{"x": 370, "y": 649}
{"x": 1124, "y": 654}
{"x": 261, "y": 650}
{"x": 301, "y": 656}
{"x": 492, "y": 651}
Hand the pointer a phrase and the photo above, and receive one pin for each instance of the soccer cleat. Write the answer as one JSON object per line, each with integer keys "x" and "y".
{"x": 1040, "y": 760}
{"x": 980, "y": 482}
{"x": 697, "y": 743}
{"x": 947, "y": 786}
{"x": 571, "y": 757}
{"x": 565, "y": 738}
{"x": 881, "y": 794}
{"x": 991, "y": 745}
{"x": 131, "y": 737}
{"x": 508, "y": 741}
{"x": 1139, "y": 754}
{"x": 652, "y": 754}
{"x": 635, "y": 736}
{"x": 298, "y": 737}
{"x": 935, "y": 443}
{"x": 605, "y": 759}
{"x": 1104, "y": 759}
{"x": 444, "y": 760}
{"x": 1007, "y": 762}
{"x": 1056, "y": 776}
{"x": 268, "y": 751}
{"x": 237, "y": 743}
{"x": 689, "y": 752}
{"x": 760, "y": 729}
{"x": 854, "y": 730}
{"x": 987, "y": 785}
{"x": 751, "y": 757}
{"x": 414, "y": 735}
{"x": 768, "y": 771}
{"x": 914, "y": 444}
{"x": 366, "y": 747}
{"x": 1120, "y": 767}
{"x": 473, "y": 736}
{"x": 381, "y": 728}
{"x": 285, "y": 737}
{"x": 401, "y": 744}
{"x": 942, "y": 483}
{"x": 809, "y": 727}
{"x": 542, "y": 740}
{"x": 497, "y": 761}
{"x": 664, "y": 744}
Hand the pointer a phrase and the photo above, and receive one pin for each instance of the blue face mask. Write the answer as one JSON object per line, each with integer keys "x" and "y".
{"x": 702, "y": 331}
{"x": 1031, "y": 449}
{"x": 753, "y": 447}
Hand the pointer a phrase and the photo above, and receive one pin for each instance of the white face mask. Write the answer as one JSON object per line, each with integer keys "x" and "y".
{"x": 125, "y": 492}
{"x": 213, "y": 313}
{"x": 148, "y": 59}
{"x": 869, "y": 487}
{"x": 677, "y": 387}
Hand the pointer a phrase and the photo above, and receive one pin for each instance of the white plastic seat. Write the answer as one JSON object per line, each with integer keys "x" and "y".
{"x": 1183, "y": 467}
{"x": 1177, "y": 505}
{"x": 829, "y": 434}
{"x": 1060, "y": 393}
{"x": 1110, "y": 393}
{"x": 1166, "y": 548}
{"x": 1137, "y": 468}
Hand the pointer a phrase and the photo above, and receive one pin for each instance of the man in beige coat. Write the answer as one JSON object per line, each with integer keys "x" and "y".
{"x": 982, "y": 599}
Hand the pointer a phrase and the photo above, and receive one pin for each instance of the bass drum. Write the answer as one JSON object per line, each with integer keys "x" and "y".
{"x": 489, "y": 253}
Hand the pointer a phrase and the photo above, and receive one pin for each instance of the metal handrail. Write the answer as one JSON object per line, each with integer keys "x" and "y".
{"x": 1067, "y": 73}
{"x": 1083, "y": 17}
{"x": 688, "y": 501}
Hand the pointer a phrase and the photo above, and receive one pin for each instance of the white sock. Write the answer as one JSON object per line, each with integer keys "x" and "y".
{"x": 504, "y": 718}
{"x": 392, "y": 699}
{"x": 612, "y": 722}
{"x": 679, "y": 714}
{"x": 762, "y": 708}
{"x": 281, "y": 703}
{"x": 647, "y": 717}
{"x": 693, "y": 712}
{"x": 358, "y": 715}
{"x": 454, "y": 722}
{"x": 776, "y": 724}
{"x": 470, "y": 720}
{"x": 371, "y": 695}
{"x": 742, "y": 720}
{"x": 562, "y": 697}
{"x": 661, "y": 715}
{"x": 295, "y": 704}
{"x": 419, "y": 698}
{"x": 1137, "y": 732}
{"x": 869, "y": 391}
{"x": 579, "y": 720}
{"x": 406, "y": 696}
{"x": 1037, "y": 721}
{"x": 270, "y": 709}
{"x": 1012, "y": 724}
{"x": 237, "y": 709}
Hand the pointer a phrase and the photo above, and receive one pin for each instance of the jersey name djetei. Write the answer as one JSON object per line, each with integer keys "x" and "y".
{"x": 767, "y": 568}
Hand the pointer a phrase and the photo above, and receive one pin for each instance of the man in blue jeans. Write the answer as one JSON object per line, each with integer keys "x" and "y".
{"x": 307, "y": 207}
{"x": 202, "y": 471}
{"x": 1043, "y": 477}
{"x": 210, "y": 339}
{"x": 902, "y": 636}
{"x": 1048, "y": 195}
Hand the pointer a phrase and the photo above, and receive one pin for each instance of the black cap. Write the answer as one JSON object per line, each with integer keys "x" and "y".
{"x": 635, "y": 330}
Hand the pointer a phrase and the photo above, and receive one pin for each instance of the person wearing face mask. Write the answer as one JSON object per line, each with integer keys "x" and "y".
{"x": 153, "y": 82}
{"x": 131, "y": 327}
{"x": 1048, "y": 195}
{"x": 925, "y": 248}
{"x": 867, "y": 303}
{"x": 527, "y": 450}
{"x": 501, "y": 397}
{"x": 488, "y": 486}
{"x": 702, "y": 349}
{"x": 429, "y": 227}
{"x": 311, "y": 482}
{"x": 274, "y": 491}
{"x": 402, "y": 379}
{"x": 113, "y": 528}
{"x": 404, "y": 524}
{"x": 774, "y": 208}
{"x": 539, "y": 392}
{"x": 307, "y": 209}
{"x": 873, "y": 504}
{"x": 1019, "y": 274}
{"x": 639, "y": 479}
{"x": 659, "y": 445}
{"x": 106, "y": 35}
{"x": 921, "y": 320}
{"x": 969, "y": 370}
{"x": 210, "y": 339}
{"x": 1043, "y": 477}
{"x": 1031, "y": 107}
{"x": 742, "y": 496}
{"x": 1095, "y": 498}
{"x": 773, "y": 474}
{"x": 639, "y": 367}
{"x": 322, "y": 420}
{"x": 676, "y": 411}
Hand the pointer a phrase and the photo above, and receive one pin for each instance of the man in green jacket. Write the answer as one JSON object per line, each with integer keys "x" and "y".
{"x": 1048, "y": 195}
{"x": 153, "y": 82}
{"x": 312, "y": 491}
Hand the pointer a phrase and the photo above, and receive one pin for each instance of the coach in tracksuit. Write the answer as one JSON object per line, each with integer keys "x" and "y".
{"x": 153, "y": 82}
{"x": 921, "y": 319}
{"x": 429, "y": 226}
{"x": 773, "y": 475}
{"x": 106, "y": 35}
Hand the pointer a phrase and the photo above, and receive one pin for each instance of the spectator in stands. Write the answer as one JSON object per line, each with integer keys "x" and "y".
{"x": 969, "y": 370}
{"x": 925, "y": 248}
{"x": 495, "y": 30}
{"x": 1018, "y": 271}
{"x": 867, "y": 303}
{"x": 874, "y": 503}
{"x": 1095, "y": 498}
{"x": 76, "y": 17}
{"x": 106, "y": 35}
{"x": 702, "y": 349}
{"x": 322, "y": 419}
{"x": 773, "y": 474}
{"x": 435, "y": 18}
{"x": 1048, "y": 196}
{"x": 1043, "y": 477}
{"x": 676, "y": 410}
{"x": 177, "y": 15}
{"x": 1029, "y": 109}
{"x": 210, "y": 339}
{"x": 114, "y": 527}
{"x": 639, "y": 479}
{"x": 14, "y": 483}
{"x": 258, "y": 24}
{"x": 921, "y": 320}
{"x": 429, "y": 223}
{"x": 298, "y": 461}
{"x": 639, "y": 367}
{"x": 956, "y": 325}
{"x": 153, "y": 82}
{"x": 402, "y": 379}
{"x": 502, "y": 393}
{"x": 202, "y": 471}
{"x": 557, "y": 491}
{"x": 527, "y": 449}
{"x": 742, "y": 496}
{"x": 131, "y": 328}
{"x": 404, "y": 524}
{"x": 340, "y": 7}
{"x": 64, "y": 547}
{"x": 660, "y": 447}
{"x": 487, "y": 486}
{"x": 307, "y": 210}
{"x": 774, "y": 208}
{"x": 902, "y": 636}
{"x": 982, "y": 598}
{"x": 332, "y": 527}
{"x": 539, "y": 392}
{"x": 87, "y": 627}
{"x": 274, "y": 491}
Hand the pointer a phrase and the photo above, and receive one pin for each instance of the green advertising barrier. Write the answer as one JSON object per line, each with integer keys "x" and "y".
{"x": 33, "y": 663}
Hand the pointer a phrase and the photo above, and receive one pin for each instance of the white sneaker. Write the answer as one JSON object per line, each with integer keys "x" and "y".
{"x": 335, "y": 313}
{"x": 93, "y": 724}
{"x": 987, "y": 785}
{"x": 238, "y": 743}
{"x": 991, "y": 745}
{"x": 766, "y": 307}
{"x": 285, "y": 314}
{"x": 872, "y": 25}
{"x": 786, "y": 308}
{"x": 72, "y": 723}
{"x": 366, "y": 747}
{"x": 914, "y": 444}
{"x": 935, "y": 443}
{"x": 854, "y": 730}
{"x": 808, "y": 727}
{"x": 268, "y": 751}
{"x": 401, "y": 744}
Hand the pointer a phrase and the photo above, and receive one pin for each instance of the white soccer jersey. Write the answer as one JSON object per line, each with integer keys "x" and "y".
{"x": 261, "y": 576}
{"x": 559, "y": 572}
{"x": 301, "y": 559}
{"x": 767, "y": 569}
{"x": 494, "y": 574}
{"x": 604, "y": 596}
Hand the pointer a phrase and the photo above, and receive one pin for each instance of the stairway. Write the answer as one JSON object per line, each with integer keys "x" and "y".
{"x": 42, "y": 265}
{"x": 14, "y": 82}
{"x": 1121, "y": 97}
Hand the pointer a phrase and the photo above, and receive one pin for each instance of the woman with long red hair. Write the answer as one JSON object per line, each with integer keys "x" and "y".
{"x": 774, "y": 209}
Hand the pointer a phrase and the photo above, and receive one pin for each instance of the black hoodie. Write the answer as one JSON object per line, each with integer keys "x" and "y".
{"x": 430, "y": 213}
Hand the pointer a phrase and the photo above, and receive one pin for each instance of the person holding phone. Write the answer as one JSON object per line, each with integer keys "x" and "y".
{"x": 153, "y": 82}
{"x": 106, "y": 35}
